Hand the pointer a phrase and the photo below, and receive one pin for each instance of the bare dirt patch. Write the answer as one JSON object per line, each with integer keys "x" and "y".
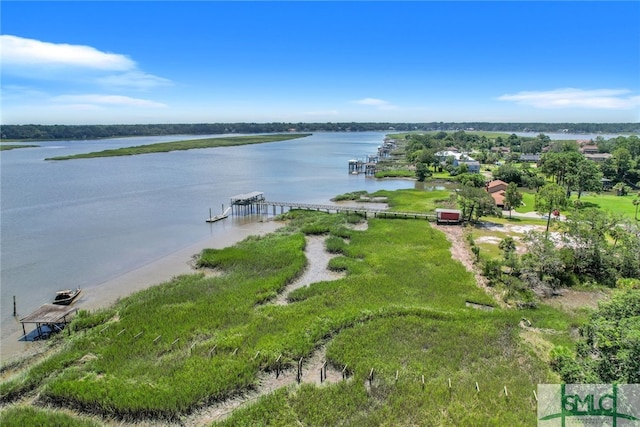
{"x": 571, "y": 300}
{"x": 317, "y": 262}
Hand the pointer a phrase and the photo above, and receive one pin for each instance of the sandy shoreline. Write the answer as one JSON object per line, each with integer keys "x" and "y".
{"x": 105, "y": 294}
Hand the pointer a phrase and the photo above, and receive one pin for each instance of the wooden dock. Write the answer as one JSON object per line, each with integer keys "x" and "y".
{"x": 246, "y": 203}
{"x": 264, "y": 206}
{"x": 255, "y": 203}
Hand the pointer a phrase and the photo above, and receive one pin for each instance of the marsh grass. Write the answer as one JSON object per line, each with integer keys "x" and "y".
{"x": 21, "y": 416}
{"x": 4, "y": 147}
{"x": 196, "y": 340}
{"x": 164, "y": 147}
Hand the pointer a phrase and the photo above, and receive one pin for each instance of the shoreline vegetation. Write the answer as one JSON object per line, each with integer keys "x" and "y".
{"x": 394, "y": 332}
{"x": 408, "y": 329}
{"x": 4, "y": 147}
{"x": 36, "y": 132}
{"x": 164, "y": 147}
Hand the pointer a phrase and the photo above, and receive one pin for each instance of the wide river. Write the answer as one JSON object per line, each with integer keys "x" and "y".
{"x": 85, "y": 223}
{"x": 110, "y": 225}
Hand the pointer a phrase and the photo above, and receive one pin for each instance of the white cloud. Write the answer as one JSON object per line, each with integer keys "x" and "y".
{"x": 616, "y": 99}
{"x": 35, "y": 53}
{"x": 134, "y": 79}
{"x": 381, "y": 104}
{"x": 106, "y": 100}
{"x": 75, "y": 64}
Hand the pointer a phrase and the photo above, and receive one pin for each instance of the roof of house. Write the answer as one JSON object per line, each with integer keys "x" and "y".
{"x": 498, "y": 197}
{"x": 469, "y": 162}
{"x": 530, "y": 157}
{"x": 589, "y": 149}
{"x": 495, "y": 184}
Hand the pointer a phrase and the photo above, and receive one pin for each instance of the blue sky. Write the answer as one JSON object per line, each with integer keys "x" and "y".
{"x": 418, "y": 61}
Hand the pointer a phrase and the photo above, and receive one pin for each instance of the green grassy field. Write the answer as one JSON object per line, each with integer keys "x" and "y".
{"x": 400, "y": 309}
{"x": 164, "y": 147}
{"x": 622, "y": 205}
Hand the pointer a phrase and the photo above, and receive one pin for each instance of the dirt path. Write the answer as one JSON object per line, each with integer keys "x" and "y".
{"x": 267, "y": 383}
{"x": 317, "y": 261}
{"x": 460, "y": 251}
{"x": 316, "y": 271}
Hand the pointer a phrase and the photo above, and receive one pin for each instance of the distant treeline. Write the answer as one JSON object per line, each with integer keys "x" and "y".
{"x": 47, "y": 132}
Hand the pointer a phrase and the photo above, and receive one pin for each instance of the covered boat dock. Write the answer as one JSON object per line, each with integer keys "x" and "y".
{"x": 53, "y": 317}
{"x": 246, "y": 203}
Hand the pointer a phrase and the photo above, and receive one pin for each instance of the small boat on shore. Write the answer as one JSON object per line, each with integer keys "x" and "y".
{"x": 66, "y": 297}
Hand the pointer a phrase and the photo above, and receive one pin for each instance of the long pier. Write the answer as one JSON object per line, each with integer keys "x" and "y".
{"x": 264, "y": 206}
{"x": 255, "y": 203}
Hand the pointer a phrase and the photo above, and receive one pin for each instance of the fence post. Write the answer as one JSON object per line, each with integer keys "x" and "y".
{"x": 299, "y": 375}
{"x": 278, "y": 366}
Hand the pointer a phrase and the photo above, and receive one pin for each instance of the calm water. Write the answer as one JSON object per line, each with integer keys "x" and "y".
{"x": 83, "y": 222}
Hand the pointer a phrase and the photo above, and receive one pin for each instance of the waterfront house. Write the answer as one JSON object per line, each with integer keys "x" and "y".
{"x": 497, "y": 188}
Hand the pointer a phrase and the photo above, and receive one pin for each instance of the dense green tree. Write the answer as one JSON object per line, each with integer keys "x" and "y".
{"x": 512, "y": 197}
{"x": 586, "y": 233}
{"x": 623, "y": 162}
{"x": 549, "y": 198}
{"x": 564, "y": 146}
{"x": 608, "y": 350}
{"x": 508, "y": 172}
{"x": 542, "y": 268}
{"x": 532, "y": 146}
{"x": 585, "y": 176}
{"x": 533, "y": 182}
{"x": 472, "y": 180}
{"x": 559, "y": 165}
{"x": 422, "y": 172}
{"x": 476, "y": 203}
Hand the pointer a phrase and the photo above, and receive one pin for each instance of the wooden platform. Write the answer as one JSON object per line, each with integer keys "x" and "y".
{"x": 366, "y": 212}
{"x": 48, "y": 314}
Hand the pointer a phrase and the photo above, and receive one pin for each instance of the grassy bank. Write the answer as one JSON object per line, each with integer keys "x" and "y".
{"x": 4, "y": 147}
{"x": 401, "y": 309}
{"x": 164, "y": 147}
